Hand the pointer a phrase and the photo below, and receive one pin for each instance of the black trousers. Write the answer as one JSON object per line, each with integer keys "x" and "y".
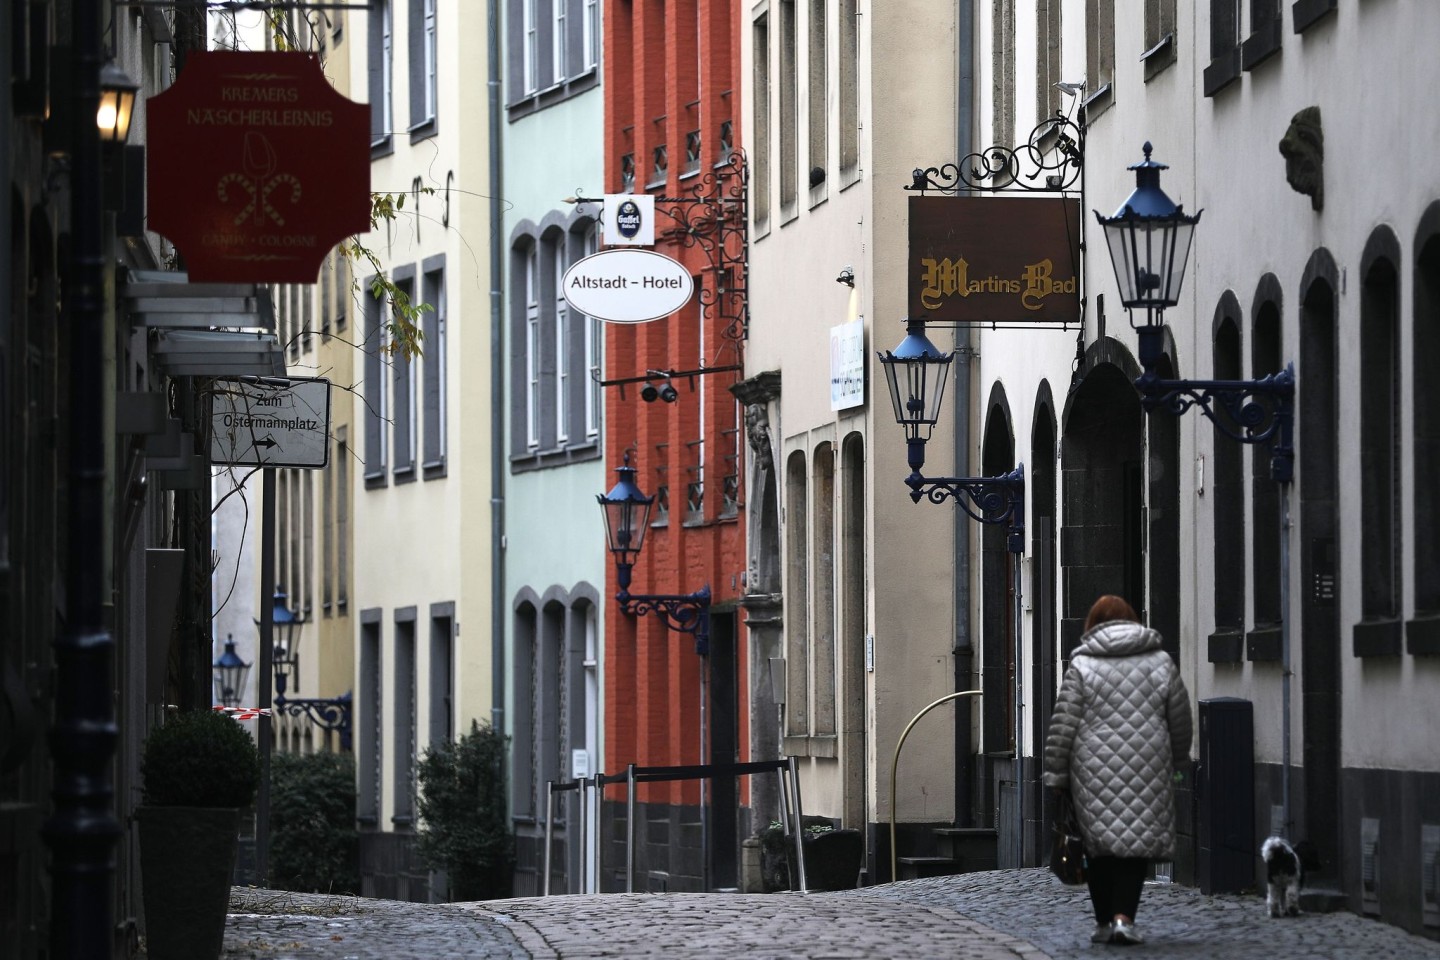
{"x": 1115, "y": 885}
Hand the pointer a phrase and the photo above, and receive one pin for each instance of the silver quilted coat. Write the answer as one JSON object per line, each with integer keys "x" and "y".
{"x": 1121, "y": 723}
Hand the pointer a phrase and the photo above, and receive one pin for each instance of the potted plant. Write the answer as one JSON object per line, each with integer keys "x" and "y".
{"x": 199, "y": 768}
{"x": 832, "y": 856}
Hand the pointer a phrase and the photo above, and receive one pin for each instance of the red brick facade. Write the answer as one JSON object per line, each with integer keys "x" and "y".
{"x": 671, "y": 69}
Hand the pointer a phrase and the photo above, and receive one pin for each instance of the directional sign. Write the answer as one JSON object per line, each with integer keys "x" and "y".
{"x": 264, "y": 422}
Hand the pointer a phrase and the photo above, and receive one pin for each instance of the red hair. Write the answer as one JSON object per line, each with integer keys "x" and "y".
{"x": 1107, "y": 608}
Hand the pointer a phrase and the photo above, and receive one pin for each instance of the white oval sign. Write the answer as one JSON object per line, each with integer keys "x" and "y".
{"x": 626, "y": 285}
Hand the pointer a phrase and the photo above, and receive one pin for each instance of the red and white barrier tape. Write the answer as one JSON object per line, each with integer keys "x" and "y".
{"x": 243, "y": 713}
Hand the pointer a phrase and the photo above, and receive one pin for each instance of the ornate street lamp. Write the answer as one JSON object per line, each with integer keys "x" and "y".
{"x": 627, "y": 516}
{"x": 285, "y": 635}
{"x": 1149, "y": 239}
{"x": 327, "y": 713}
{"x": 230, "y": 675}
{"x": 117, "y": 104}
{"x": 916, "y": 371}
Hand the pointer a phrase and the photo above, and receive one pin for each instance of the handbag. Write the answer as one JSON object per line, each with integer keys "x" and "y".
{"x": 1067, "y": 851}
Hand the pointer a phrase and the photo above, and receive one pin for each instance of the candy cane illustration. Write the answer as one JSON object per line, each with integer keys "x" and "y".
{"x": 246, "y": 184}
{"x": 271, "y": 185}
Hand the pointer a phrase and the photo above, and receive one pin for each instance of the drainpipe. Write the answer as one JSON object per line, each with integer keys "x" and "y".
{"x": 964, "y": 650}
{"x": 497, "y": 390}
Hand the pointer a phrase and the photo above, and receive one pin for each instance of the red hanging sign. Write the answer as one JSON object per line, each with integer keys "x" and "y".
{"x": 257, "y": 167}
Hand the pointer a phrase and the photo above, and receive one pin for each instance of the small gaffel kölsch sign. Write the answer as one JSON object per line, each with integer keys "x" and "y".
{"x": 628, "y": 285}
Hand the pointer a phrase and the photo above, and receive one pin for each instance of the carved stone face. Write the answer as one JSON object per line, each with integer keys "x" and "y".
{"x": 757, "y": 431}
{"x": 1303, "y": 148}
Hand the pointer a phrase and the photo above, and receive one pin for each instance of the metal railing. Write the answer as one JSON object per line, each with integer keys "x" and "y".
{"x": 591, "y": 790}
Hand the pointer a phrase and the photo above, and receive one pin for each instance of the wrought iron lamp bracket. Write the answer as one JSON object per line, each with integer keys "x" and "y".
{"x": 1049, "y": 161}
{"x": 680, "y": 612}
{"x": 1256, "y": 411}
{"x": 988, "y": 500}
{"x": 328, "y": 714}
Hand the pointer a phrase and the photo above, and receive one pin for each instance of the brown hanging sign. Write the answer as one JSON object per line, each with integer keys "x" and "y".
{"x": 995, "y": 261}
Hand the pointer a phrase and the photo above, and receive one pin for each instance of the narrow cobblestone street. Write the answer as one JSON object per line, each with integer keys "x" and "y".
{"x": 979, "y": 916}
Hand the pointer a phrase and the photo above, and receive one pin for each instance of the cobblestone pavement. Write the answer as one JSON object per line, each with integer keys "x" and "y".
{"x": 1176, "y": 921}
{"x": 1000, "y": 915}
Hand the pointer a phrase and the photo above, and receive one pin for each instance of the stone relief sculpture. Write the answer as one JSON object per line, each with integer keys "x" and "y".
{"x": 1303, "y": 148}
{"x": 757, "y": 430}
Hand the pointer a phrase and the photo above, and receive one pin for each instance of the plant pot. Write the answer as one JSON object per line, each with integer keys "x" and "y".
{"x": 187, "y": 862}
{"x": 832, "y": 859}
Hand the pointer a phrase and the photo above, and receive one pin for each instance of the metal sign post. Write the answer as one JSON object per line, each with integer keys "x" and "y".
{"x": 269, "y": 422}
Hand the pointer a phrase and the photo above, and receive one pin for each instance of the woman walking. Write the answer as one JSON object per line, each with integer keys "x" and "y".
{"x": 1121, "y": 726}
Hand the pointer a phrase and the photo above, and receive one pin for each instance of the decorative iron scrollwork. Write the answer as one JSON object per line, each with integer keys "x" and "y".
{"x": 682, "y": 613}
{"x": 713, "y": 217}
{"x": 988, "y": 500}
{"x": 1256, "y": 411}
{"x": 1049, "y": 161}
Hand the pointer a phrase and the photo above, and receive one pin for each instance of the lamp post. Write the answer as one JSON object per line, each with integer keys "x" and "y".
{"x": 230, "y": 675}
{"x": 916, "y": 372}
{"x": 331, "y": 713}
{"x": 1149, "y": 241}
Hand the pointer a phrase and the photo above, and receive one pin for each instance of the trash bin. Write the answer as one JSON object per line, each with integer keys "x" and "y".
{"x": 1225, "y": 796}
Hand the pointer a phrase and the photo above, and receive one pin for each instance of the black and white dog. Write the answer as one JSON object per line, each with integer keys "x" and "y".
{"x": 1284, "y": 875}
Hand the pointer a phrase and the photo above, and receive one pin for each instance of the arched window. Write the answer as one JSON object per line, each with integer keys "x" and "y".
{"x": 1228, "y": 502}
{"x": 1424, "y": 630}
{"x": 1378, "y": 633}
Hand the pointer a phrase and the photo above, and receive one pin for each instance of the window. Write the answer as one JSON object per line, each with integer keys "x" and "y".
{"x": 590, "y": 41}
{"x": 435, "y": 358}
{"x": 823, "y": 565}
{"x": 1380, "y": 452}
{"x": 531, "y": 57}
{"x": 342, "y": 518}
{"x": 797, "y": 600}
{"x": 1099, "y": 56}
{"x": 761, "y": 193}
{"x": 1047, "y": 58}
{"x": 788, "y": 109}
{"x": 1224, "y": 65}
{"x": 442, "y": 673}
{"x": 1160, "y": 36}
{"x": 404, "y": 718}
{"x": 555, "y": 397}
{"x": 554, "y": 51}
{"x": 562, "y": 347}
{"x": 849, "y": 87}
{"x": 369, "y": 718}
{"x": 327, "y": 294}
{"x": 377, "y": 406}
{"x": 327, "y": 538}
{"x": 1265, "y": 359}
{"x": 819, "y": 158}
{"x": 1003, "y": 72}
{"x": 1265, "y": 31}
{"x": 1426, "y": 331}
{"x": 424, "y": 53}
{"x": 403, "y": 373}
{"x": 381, "y": 77}
{"x": 594, "y": 358}
{"x": 557, "y": 42}
{"x": 532, "y": 347}
{"x": 1228, "y": 499}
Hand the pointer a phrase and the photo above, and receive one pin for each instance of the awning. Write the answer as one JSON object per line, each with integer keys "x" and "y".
{"x": 218, "y": 353}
